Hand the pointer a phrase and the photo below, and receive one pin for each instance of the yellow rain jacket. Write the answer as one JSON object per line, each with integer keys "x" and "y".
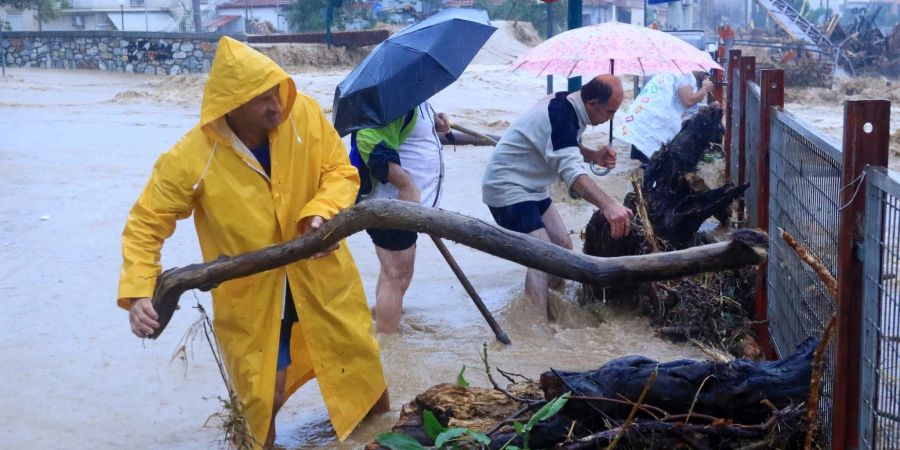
{"x": 238, "y": 209}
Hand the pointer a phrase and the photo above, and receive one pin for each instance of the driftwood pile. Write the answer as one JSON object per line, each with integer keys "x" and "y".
{"x": 634, "y": 401}
{"x": 671, "y": 203}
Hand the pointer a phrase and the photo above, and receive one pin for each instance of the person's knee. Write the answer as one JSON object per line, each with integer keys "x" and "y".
{"x": 279, "y": 402}
{"x": 399, "y": 267}
{"x": 565, "y": 242}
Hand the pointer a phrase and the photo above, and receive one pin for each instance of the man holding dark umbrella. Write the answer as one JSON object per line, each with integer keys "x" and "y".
{"x": 384, "y": 100}
{"x": 404, "y": 162}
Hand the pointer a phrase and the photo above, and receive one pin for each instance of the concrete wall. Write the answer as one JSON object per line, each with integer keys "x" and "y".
{"x": 151, "y": 53}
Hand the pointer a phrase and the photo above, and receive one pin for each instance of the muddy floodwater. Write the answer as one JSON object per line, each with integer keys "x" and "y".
{"x": 76, "y": 148}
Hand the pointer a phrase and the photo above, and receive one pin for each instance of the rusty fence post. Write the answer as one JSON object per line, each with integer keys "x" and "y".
{"x": 718, "y": 76}
{"x": 718, "y": 79}
{"x": 747, "y": 67}
{"x": 734, "y": 57}
{"x": 771, "y": 88}
{"x": 866, "y": 135}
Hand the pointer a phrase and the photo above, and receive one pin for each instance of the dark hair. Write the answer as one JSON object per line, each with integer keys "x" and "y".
{"x": 596, "y": 90}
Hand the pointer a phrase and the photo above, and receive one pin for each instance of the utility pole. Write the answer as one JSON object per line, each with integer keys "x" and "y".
{"x": 195, "y": 8}
{"x": 2, "y": 51}
{"x": 645, "y": 13}
{"x": 549, "y": 35}
{"x": 146, "y": 17}
{"x": 122, "y": 14}
{"x": 574, "y": 22}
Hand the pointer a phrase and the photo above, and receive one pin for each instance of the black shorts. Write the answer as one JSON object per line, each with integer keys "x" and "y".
{"x": 395, "y": 240}
{"x": 523, "y": 217}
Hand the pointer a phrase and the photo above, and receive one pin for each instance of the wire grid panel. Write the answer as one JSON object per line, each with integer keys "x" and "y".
{"x": 735, "y": 126}
{"x": 880, "y": 379}
{"x": 751, "y": 152}
{"x": 804, "y": 195}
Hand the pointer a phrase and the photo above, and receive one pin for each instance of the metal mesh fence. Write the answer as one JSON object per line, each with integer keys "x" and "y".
{"x": 804, "y": 187}
{"x": 751, "y": 152}
{"x": 880, "y": 377}
{"x": 735, "y": 126}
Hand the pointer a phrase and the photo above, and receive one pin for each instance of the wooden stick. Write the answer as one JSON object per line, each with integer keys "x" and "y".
{"x": 495, "y": 327}
{"x": 473, "y": 133}
{"x": 634, "y": 410}
{"x": 642, "y": 212}
{"x": 812, "y": 403}
{"x": 817, "y": 265}
{"x": 747, "y": 247}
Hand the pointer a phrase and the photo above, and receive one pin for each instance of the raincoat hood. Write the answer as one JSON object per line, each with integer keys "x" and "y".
{"x": 239, "y": 74}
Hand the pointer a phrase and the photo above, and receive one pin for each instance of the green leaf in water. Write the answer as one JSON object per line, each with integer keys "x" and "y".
{"x": 480, "y": 437}
{"x": 399, "y": 441}
{"x": 519, "y": 427}
{"x": 432, "y": 427}
{"x": 448, "y": 435}
{"x": 461, "y": 379}
{"x": 547, "y": 411}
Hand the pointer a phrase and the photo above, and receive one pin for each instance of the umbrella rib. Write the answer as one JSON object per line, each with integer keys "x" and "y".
{"x": 418, "y": 50}
{"x": 573, "y": 68}
{"x": 545, "y": 67}
{"x": 641, "y": 63}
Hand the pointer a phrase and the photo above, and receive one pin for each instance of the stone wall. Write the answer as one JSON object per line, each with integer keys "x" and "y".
{"x": 135, "y": 52}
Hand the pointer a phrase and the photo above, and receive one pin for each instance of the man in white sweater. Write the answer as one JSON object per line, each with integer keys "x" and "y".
{"x": 542, "y": 146}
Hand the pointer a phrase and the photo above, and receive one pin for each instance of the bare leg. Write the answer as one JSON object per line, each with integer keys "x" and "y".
{"x": 280, "y": 380}
{"x": 556, "y": 230}
{"x": 383, "y": 404}
{"x": 537, "y": 283}
{"x": 393, "y": 280}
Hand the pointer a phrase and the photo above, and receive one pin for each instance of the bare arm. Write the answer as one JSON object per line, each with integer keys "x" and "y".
{"x": 618, "y": 216}
{"x": 404, "y": 183}
{"x": 690, "y": 98}
{"x": 605, "y": 157}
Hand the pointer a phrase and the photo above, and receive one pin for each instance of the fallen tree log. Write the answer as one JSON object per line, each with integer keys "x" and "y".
{"x": 734, "y": 390}
{"x": 746, "y": 247}
{"x": 687, "y": 404}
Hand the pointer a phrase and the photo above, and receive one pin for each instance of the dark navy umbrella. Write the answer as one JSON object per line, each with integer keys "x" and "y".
{"x": 408, "y": 68}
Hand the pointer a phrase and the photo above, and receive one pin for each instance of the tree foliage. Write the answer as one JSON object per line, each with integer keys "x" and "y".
{"x": 44, "y": 9}
{"x": 309, "y": 15}
{"x": 528, "y": 11}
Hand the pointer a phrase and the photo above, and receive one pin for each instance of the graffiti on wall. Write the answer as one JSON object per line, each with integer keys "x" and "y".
{"x": 142, "y": 50}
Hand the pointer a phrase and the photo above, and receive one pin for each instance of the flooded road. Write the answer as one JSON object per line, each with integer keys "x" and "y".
{"x": 75, "y": 151}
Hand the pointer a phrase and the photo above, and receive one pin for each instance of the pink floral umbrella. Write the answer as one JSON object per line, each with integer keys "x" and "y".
{"x": 613, "y": 47}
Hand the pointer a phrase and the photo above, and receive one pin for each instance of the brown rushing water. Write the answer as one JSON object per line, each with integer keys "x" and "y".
{"x": 167, "y": 402}
{"x": 442, "y": 330}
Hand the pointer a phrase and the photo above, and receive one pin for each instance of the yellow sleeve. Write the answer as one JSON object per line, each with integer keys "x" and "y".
{"x": 338, "y": 181}
{"x": 167, "y": 197}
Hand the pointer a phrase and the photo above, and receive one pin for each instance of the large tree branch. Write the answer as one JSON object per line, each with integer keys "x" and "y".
{"x": 746, "y": 248}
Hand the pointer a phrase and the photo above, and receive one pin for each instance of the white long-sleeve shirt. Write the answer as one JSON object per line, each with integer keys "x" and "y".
{"x": 538, "y": 148}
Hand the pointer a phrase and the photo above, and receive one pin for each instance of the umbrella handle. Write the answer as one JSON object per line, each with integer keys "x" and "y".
{"x": 598, "y": 170}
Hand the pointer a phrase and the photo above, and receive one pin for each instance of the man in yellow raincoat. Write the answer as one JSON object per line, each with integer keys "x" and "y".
{"x": 262, "y": 166}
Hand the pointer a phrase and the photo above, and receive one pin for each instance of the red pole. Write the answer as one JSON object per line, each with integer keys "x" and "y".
{"x": 718, "y": 76}
{"x": 733, "y": 57}
{"x": 718, "y": 80}
{"x": 866, "y": 135}
{"x": 771, "y": 96}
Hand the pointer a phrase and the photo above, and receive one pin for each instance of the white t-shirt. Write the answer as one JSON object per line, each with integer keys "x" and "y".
{"x": 655, "y": 116}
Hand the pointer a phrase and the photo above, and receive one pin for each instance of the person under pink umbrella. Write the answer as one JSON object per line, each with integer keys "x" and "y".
{"x": 540, "y": 148}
